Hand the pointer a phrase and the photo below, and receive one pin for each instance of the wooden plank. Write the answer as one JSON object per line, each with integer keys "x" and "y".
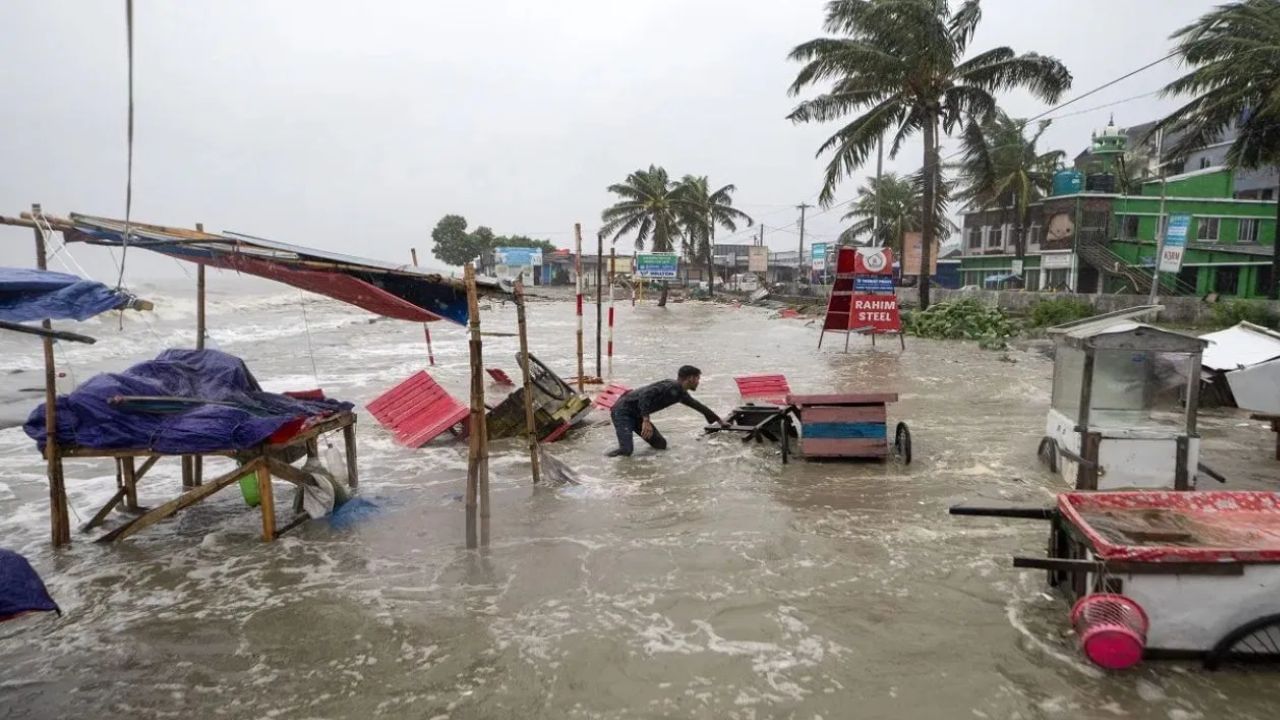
{"x": 187, "y": 499}
{"x": 1130, "y": 568}
{"x": 1020, "y": 513}
{"x": 267, "y": 502}
{"x": 349, "y": 441}
{"x": 287, "y": 472}
{"x": 59, "y": 516}
{"x": 102, "y": 513}
{"x": 845, "y": 413}
{"x": 844, "y": 448}
{"x": 844, "y": 431}
{"x": 130, "y": 483}
{"x": 844, "y": 399}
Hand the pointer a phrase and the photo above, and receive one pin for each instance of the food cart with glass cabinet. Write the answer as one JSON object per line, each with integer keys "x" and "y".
{"x": 1125, "y": 396}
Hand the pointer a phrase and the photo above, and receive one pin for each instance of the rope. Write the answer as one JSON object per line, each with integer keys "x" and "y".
{"x": 307, "y": 326}
{"x": 128, "y": 184}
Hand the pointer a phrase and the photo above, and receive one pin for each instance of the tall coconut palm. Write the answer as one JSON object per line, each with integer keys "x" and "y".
{"x": 1235, "y": 53}
{"x": 898, "y": 202}
{"x": 900, "y": 66}
{"x": 649, "y": 205}
{"x": 702, "y": 211}
{"x": 1003, "y": 168}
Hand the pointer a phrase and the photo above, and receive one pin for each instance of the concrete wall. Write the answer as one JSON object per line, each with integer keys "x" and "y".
{"x": 1181, "y": 310}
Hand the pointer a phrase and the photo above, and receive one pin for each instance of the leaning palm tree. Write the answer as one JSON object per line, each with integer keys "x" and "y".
{"x": 649, "y": 206}
{"x": 1002, "y": 168}
{"x": 702, "y": 211}
{"x": 898, "y": 203}
{"x": 1235, "y": 53}
{"x": 900, "y": 64}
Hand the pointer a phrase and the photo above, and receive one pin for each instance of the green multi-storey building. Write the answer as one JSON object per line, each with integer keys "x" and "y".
{"x": 1087, "y": 237}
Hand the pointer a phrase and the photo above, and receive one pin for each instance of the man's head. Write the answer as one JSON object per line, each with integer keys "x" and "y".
{"x": 688, "y": 377}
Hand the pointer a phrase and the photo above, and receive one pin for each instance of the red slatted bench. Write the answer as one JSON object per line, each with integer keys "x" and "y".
{"x": 417, "y": 410}
{"x": 770, "y": 389}
{"x": 608, "y": 397}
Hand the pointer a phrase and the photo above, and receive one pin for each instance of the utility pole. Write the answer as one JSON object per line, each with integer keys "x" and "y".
{"x": 1162, "y": 223}
{"x": 875, "y": 220}
{"x": 800, "y": 260}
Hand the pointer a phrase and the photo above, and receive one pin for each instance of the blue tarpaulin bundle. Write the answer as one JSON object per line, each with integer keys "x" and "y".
{"x": 27, "y": 295}
{"x": 224, "y": 408}
{"x": 21, "y": 589}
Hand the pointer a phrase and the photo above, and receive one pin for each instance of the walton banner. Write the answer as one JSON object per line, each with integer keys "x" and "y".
{"x": 873, "y": 261}
{"x": 661, "y": 266}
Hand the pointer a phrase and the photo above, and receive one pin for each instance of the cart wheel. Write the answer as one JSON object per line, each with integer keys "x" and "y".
{"x": 902, "y": 443}
{"x": 1048, "y": 453}
{"x": 1257, "y": 641}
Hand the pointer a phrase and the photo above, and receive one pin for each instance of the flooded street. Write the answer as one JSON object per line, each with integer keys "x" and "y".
{"x": 706, "y": 581}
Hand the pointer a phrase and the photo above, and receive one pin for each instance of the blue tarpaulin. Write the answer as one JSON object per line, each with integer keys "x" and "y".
{"x": 226, "y": 409}
{"x": 27, "y": 294}
{"x": 21, "y": 589}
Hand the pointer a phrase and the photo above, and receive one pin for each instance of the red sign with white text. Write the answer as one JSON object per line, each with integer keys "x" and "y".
{"x": 878, "y": 312}
{"x": 873, "y": 261}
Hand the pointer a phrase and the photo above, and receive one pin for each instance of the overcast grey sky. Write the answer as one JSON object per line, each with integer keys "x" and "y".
{"x": 355, "y": 126}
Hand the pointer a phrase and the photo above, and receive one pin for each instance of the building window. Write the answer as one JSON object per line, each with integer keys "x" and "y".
{"x": 1262, "y": 280}
{"x": 1129, "y": 227}
{"x": 1032, "y": 279}
{"x": 1056, "y": 279}
{"x": 1189, "y": 279}
{"x": 975, "y": 238}
{"x": 1248, "y": 231}
{"x": 1207, "y": 229}
{"x": 1204, "y": 163}
{"x": 1033, "y": 236}
{"x": 995, "y": 236}
{"x": 1226, "y": 280}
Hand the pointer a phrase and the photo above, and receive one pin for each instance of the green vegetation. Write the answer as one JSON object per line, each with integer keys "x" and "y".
{"x": 1232, "y": 312}
{"x": 900, "y": 68}
{"x": 1048, "y": 313}
{"x": 966, "y": 319}
{"x": 455, "y": 246}
{"x": 899, "y": 203}
{"x": 1234, "y": 51}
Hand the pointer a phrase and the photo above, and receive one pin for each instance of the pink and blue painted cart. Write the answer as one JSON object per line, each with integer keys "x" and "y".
{"x": 839, "y": 426}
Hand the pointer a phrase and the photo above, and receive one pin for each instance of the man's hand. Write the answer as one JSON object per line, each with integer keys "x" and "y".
{"x": 723, "y": 423}
{"x": 646, "y": 429}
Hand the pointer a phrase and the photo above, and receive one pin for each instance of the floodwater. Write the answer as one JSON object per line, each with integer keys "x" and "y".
{"x": 706, "y": 581}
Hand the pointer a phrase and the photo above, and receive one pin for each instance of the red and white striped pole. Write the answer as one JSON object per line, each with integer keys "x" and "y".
{"x": 612, "y": 262}
{"x": 426, "y": 328}
{"x": 577, "y": 264}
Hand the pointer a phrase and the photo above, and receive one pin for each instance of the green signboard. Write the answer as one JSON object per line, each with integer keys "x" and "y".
{"x": 657, "y": 265}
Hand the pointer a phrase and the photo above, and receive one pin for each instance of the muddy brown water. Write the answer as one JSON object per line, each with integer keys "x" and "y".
{"x": 706, "y": 581}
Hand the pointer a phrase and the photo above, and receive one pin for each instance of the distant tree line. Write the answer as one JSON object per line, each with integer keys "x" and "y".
{"x": 455, "y": 246}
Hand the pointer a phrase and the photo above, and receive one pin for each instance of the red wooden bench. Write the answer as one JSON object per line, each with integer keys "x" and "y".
{"x": 770, "y": 389}
{"x": 608, "y": 397}
{"x": 418, "y": 410}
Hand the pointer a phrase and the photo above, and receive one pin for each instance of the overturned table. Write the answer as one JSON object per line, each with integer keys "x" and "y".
{"x": 266, "y": 461}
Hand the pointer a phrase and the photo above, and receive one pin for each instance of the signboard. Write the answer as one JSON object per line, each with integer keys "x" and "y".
{"x": 873, "y": 261}
{"x": 818, "y": 252}
{"x": 620, "y": 265}
{"x": 878, "y": 312}
{"x": 657, "y": 265}
{"x": 1055, "y": 261}
{"x": 1175, "y": 242}
{"x": 912, "y": 244}
{"x": 517, "y": 256}
{"x": 873, "y": 283}
{"x": 758, "y": 259}
{"x": 1017, "y": 268}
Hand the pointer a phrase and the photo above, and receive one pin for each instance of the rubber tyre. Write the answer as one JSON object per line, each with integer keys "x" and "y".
{"x": 1048, "y": 452}
{"x": 902, "y": 443}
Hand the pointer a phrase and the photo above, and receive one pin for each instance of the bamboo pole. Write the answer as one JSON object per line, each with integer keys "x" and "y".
{"x": 530, "y": 426}
{"x": 613, "y": 260}
{"x": 426, "y": 327}
{"x": 200, "y": 295}
{"x": 59, "y": 518}
{"x": 478, "y": 456}
{"x": 599, "y": 298}
{"x": 577, "y": 240}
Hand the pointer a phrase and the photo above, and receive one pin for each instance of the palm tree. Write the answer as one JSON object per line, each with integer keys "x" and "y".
{"x": 649, "y": 204}
{"x": 702, "y": 211}
{"x": 1235, "y": 53}
{"x": 900, "y": 63}
{"x": 1002, "y": 168}
{"x": 898, "y": 202}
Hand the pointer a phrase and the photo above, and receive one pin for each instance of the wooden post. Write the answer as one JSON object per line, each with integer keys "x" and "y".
{"x": 478, "y": 457}
{"x": 635, "y": 279}
{"x": 577, "y": 240}
{"x": 426, "y": 327}
{"x": 268, "y": 501}
{"x": 599, "y": 299}
{"x": 59, "y": 518}
{"x": 349, "y": 441}
{"x": 130, "y": 483}
{"x": 530, "y": 426}
{"x": 200, "y": 326}
{"x": 613, "y": 255}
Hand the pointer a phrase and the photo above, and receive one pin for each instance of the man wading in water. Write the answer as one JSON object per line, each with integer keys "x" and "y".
{"x": 631, "y": 413}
